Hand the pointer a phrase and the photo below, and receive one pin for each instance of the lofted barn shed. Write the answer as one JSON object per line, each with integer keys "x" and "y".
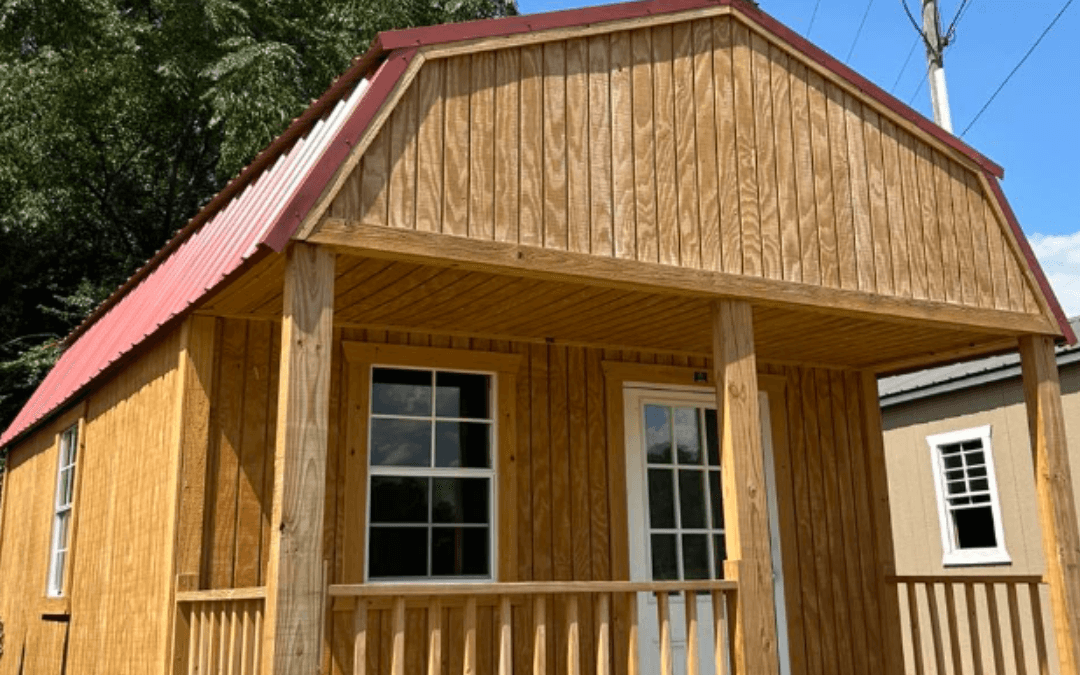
{"x": 546, "y": 344}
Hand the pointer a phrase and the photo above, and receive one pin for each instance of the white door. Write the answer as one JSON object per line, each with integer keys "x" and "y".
{"x": 675, "y": 510}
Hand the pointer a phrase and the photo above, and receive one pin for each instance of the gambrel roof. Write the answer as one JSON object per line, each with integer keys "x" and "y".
{"x": 315, "y": 176}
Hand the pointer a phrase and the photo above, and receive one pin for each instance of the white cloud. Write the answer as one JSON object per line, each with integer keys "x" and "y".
{"x": 1059, "y": 256}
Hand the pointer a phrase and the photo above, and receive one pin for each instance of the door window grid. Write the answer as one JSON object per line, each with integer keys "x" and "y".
{"x": 687, "y": 453}
{"x": 64, "y": 504}
{"x": 433, "y": 472}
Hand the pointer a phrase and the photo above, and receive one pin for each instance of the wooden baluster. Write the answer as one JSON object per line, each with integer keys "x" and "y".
{"x": 690, "y": 600}
{"x": 633, "y": 666}
{"x": 603, "y": 634}
{"x": 256, "y": 651}
{"x": 223, "y": 640}
{"x": 539, "y": 636}
{"x": 194, "y": 626}
{"x": 434, "y": 631}
{"x": 733, "y": 601}
{"x": 930, "y": 591}
{"x": 234, "y": 642}
{"x": 397, "y": 658}
{"x": 573, "y": 637}
{"x": 916, "y": 638}
{"x": 468, "y": 665}
{"x": 954, "y": 631}
{"x": 719, "y": 631}
{"x": 206, "y": 647}
{"x": 506, "y": 637}
{"x": 360, "y": 617}
{"x": 1040, "y": 629}
{"x": 663, "y": 619}
{"x": 245, "y": 638}
{"x": 973, "y": 629}
{"x": 995, "y": 628}
{"x": 1017, "y": 635}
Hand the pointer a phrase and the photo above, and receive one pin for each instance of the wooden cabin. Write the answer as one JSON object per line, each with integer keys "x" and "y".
{"x": 453, "y": 377}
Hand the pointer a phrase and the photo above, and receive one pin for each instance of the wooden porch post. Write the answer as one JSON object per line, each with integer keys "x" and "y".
{"x": 1053, "y": 484}
{"x": 746, "y": 515}
{"x": 294, "y": 584}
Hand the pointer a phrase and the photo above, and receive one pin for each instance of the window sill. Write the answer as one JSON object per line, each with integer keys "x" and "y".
{"x": 55, "y": 606}
{"x": 976, "y": 558}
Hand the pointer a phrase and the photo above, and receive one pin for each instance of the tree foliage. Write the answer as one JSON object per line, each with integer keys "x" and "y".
{"x": 122, "y": 117}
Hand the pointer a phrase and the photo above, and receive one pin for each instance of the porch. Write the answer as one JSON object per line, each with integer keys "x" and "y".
{"x": 562, "y": 599}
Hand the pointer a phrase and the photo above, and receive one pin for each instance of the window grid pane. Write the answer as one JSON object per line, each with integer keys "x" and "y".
{"x": 63, "y": 505}
{"x": 685, "y": 509}
{"x": 455, "y": 469}
{"x": 969, "y": 508}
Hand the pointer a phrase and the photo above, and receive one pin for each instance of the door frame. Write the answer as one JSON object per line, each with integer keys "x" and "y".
{"x": 620, "y": 374}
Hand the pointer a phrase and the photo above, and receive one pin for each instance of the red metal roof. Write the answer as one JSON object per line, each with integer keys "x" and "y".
{"x": 261, "y": 208}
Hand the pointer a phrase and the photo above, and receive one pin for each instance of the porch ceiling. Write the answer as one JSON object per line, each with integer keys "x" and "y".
{"x": 397, "y": 295}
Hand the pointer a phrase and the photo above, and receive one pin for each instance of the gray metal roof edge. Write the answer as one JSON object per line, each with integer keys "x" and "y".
{"x": 970, "y": 380}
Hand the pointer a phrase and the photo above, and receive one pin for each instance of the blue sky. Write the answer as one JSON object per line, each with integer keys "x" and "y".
{"x": 1031, "y": 128}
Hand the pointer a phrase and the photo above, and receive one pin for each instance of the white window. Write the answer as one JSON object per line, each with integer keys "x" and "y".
{"x": 64, "y": 505}
{"x": 968, "y": 506}
{"x": 431, "y": 441}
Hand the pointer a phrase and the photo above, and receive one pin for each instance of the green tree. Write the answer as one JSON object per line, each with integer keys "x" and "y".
{"x": 122, "y": 117}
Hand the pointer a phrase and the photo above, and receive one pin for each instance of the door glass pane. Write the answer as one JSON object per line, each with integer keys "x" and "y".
{"x": 695, "y": 551}
{"x": 665, "y": 561}
{"x": 658, "y": 434}
{"x": 719, "y": 554}
{"x": 688, "y": 436}
{"x": 692, "y": 498}
{"x": 712, "y": 437}
{"x": 661, "y": 498}
{"x": 716, "y": 497}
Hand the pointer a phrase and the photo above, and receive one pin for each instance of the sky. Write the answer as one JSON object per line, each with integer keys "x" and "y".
{"x": 1030, "y": 128}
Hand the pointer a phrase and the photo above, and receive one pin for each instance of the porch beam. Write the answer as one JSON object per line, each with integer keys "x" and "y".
{"x": 743, "y": 470}
{"x": 1053, "y": 485}
{"x": 294, "y": 584}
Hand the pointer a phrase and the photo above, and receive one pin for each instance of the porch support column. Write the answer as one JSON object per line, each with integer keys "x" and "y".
{"x": 294, "y": 583}
{"x": 746, "y": 515}
{"x": 1053, "y": 484}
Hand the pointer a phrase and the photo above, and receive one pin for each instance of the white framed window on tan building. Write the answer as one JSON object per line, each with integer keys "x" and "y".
{"x": 968, "y": 506}
{"x": 434, "y": 468}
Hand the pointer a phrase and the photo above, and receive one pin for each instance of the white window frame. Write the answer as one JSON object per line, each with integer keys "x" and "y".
{"x": 491, "y": 473}
{"x": 953, "y": 556}
{"x": 67, "y": 448}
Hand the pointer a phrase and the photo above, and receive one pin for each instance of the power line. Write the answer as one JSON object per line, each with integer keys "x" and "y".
{"x": 859, "y": 31}
{"x": 907, "y": 60}
{"x": 951, "y": 32}
{"x": 813, "y": 16}
{"x": 918, "y": 88}
{"x": 1016, "y": 68}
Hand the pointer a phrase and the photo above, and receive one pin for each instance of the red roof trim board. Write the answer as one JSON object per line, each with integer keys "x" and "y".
{"x": 251, "y": 216}
{"x": 1032, "y": 261}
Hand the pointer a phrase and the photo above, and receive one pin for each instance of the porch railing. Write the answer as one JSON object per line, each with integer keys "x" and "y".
{"x": 536, "y": 606}
{"x": 974, "y": 624}
{"x": 219, "y": 632}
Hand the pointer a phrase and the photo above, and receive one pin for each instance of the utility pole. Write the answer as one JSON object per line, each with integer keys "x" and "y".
{"x": 935, "y": 64}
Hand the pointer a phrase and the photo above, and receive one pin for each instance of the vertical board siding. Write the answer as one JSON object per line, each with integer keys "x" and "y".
{"x": 702, "y": 144}
{"x": 835, "y": 560}
{"x": 241, "y": 454}
{"x": 119, "y": 569}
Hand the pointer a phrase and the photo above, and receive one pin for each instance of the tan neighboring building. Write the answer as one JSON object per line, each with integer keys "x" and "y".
{"x": 964, "y": 428}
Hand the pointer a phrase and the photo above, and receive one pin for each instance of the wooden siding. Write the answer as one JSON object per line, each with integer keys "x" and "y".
{"x": 243, "y": 414}
{"x": 699, "y": 144}
{"x": 120, "y": 565}
{"x": 836, "y": 621}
